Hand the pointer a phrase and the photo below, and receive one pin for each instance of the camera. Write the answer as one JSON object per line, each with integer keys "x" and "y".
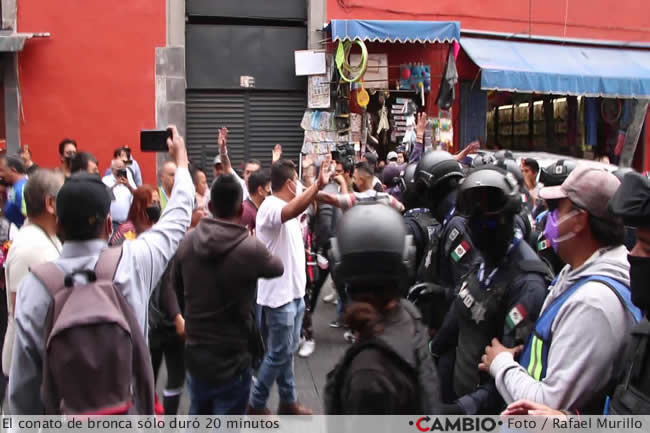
{"x": 121, "y": 172}
{"x": 344, "y": 151}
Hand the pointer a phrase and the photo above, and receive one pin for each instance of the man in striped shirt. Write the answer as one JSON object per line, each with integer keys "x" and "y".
{"x": 363, "y": 179}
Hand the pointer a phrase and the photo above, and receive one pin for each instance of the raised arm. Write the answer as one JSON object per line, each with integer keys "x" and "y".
{"x": 298, "y": 205}
{"x": 153, "y": 249}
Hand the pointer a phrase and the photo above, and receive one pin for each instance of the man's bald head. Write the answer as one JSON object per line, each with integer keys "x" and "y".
{"x": 166, "y": 176}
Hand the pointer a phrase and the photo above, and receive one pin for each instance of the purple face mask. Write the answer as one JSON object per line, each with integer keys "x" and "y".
{"x": 551, "y": 229}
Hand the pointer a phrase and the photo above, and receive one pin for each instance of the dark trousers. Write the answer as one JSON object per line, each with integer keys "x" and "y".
{"x": 230, "y": 398}
{"x": 312, "y": 292}
{"x": 170, "y": 346}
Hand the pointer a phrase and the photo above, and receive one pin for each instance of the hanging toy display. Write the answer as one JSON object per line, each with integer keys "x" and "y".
{"x": 414, "y": 77}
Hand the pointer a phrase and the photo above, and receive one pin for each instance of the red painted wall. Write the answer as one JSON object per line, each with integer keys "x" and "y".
{"x": 93, "y": 79}
{"x": 625, "y": 20}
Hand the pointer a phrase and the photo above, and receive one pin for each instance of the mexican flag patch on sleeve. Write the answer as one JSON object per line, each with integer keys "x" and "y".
{"x": 460, "y": 251}
{"x": 541, "y": 246}
{"x": 515, "y": 316}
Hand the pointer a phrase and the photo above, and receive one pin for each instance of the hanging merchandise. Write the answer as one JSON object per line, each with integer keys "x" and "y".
{"x": 447, "y": 92}
{"x": 415, "y": 77}
{"x": 349, "y": 73}
{"x": 446, "y": 131}
{"x": 383, "y": 125}
{"x": 363, "y": 98}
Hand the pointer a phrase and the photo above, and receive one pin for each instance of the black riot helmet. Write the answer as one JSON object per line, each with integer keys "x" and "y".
{"x": 503, "y": 155}
{"x": 371, "y": 250}
{"x": 435, "y": 167}
{"x": 489, "y": 198}
{"x": 556, "y": 173}
{"x": 407, "y": 186}
{"x": 511, "y": 166}
{"x": 488, "y": 190}
{"x": 483, "y": 159}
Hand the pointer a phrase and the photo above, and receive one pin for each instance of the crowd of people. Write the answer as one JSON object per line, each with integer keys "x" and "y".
{"x": 464, "y": 285}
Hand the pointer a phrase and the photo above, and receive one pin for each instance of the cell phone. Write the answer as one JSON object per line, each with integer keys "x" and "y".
{"x": 154, "y": 140}
{"x": 121, "y": 172}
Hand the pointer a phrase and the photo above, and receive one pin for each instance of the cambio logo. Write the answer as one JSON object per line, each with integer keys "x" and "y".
{"x": 458, "y": 424}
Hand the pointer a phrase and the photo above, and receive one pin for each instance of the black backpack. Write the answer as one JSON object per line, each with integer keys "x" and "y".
{"x": 632, "y": 395}
{"x": 426, "y": 384}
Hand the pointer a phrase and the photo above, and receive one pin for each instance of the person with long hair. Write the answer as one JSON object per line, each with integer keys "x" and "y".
{"x": 144, "y": 213}
{"x": 389, "y": 369}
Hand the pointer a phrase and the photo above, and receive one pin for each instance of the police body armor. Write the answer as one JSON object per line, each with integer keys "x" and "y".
{"x": 423, "y": 226}
{"x": 483, "y": 315}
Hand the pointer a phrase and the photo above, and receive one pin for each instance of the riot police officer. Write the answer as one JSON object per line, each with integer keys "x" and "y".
{"x": 419, "y": 220}
{"x": 389, "y": 369}
{"x": 451, "y": 254}
{"x": 500, "y": 298}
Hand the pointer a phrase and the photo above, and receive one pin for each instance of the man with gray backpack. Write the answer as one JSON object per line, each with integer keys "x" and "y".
{"x": 81, "y": 321}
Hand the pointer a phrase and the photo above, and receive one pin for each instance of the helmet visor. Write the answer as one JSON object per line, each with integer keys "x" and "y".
{"x": 481, "y": 201}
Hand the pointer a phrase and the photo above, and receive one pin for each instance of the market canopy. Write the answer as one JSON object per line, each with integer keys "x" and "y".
{"x": 395, "y": 31}
{"x": 531, "y": 67}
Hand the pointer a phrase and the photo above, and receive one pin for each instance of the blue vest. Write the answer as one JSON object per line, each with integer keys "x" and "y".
{"x": 535, "y": 356}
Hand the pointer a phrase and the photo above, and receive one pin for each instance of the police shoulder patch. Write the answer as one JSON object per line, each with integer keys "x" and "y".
{"x": 516, "y": 316}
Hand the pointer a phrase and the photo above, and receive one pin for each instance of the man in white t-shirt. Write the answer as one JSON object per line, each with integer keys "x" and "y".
{"x": 121, "y": 183}
{"x": 35, "y": 243}
{"x": 281, "y": 299}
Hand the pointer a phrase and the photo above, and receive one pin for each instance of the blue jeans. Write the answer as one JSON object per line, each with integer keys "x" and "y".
{"x": 230, "y": 398}
{"x": 283, "y": 325}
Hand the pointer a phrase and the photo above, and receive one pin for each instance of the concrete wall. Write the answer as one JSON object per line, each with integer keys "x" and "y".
{"x": 93, "y": 79}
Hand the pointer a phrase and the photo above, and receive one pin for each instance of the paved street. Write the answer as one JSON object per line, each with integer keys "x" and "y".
{"x": 311, "y": 372}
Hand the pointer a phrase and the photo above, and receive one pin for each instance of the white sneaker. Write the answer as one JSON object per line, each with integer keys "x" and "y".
{"x": 307, "y": 349}
{"x": 330, "y": 298}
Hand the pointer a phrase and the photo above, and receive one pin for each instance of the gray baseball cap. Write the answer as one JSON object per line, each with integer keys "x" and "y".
{"x": 589, "y": 188}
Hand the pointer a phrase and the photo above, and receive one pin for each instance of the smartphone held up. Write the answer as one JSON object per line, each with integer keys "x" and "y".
{"x": 154, "y": 140}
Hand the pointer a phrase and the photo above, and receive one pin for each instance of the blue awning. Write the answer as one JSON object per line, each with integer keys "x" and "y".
{"x": 395, "y": 31}
{"x": 529, "y": 67}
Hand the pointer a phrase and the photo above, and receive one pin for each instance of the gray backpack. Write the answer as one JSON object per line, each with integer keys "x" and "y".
{"x": 96, "y": 359}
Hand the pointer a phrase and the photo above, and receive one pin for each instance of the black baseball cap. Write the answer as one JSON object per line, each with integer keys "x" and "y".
{"x": 632, "y": 201}
{"x": 83, "y": 199}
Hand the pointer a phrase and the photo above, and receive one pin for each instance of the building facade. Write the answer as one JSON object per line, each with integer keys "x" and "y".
{"x": 99, "y": 73}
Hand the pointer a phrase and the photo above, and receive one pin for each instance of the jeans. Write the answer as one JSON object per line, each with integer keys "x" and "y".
{"x": 230, "y": 398}
{"x": 283, "y": 325}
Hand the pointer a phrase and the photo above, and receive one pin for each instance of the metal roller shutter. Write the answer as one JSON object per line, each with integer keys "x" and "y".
{"x": 274, "y": 117}
{"x": 207, "y": 111}
{"x": 256, "y": 121}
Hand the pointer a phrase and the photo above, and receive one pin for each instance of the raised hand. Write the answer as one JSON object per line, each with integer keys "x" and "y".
{"x": 277, "y": 152}
{"x": 223, "y": 141}
{"x": 421, "y": 126}
{"x": 324, "y": 177}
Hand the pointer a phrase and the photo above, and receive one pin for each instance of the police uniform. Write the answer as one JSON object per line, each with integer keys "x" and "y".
{"x": 421, "y": 224}
{"x": 503, "y": 306}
